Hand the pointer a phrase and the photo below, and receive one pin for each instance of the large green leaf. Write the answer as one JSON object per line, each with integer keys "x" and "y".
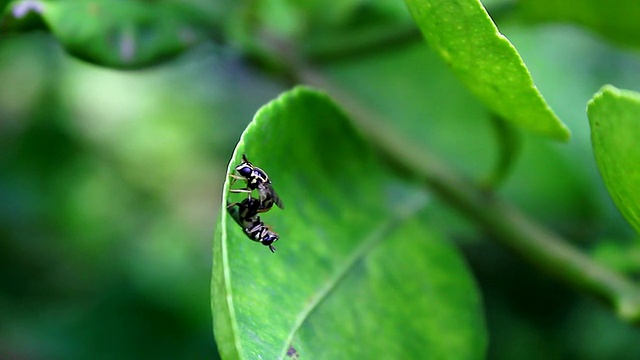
{"x": 615, "y": 19}
{"x": 615, "y": 134}
{"x": 122, "y": 34}
{"x": 464, "y": 35}
{"x": 358, "y": 273}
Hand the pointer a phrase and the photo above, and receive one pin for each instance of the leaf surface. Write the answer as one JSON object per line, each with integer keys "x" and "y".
{"x": 357, "y": 273}
{"x": 466, "y": 38}
{"x": 615, "y": 135}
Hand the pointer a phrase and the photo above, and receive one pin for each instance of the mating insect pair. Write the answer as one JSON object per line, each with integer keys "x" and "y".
{"x": 245, "y": 213}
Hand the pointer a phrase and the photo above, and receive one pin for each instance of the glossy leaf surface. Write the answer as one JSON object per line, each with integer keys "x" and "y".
{"x": 466, "y": 38}
{"x": 615, "y": 134}
{"x": 357, "y": 273}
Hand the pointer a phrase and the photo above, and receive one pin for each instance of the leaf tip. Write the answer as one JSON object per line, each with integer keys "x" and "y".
{"x": 606, "y": 90}
{"x": 561, "y": 133}
{"x": 607, "y": 93}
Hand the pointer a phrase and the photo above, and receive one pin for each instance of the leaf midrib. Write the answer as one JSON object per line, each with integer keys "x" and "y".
{"x": 375, "y": 238}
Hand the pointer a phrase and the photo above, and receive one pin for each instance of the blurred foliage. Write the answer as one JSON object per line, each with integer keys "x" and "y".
{"x": 122, "y": 34}
{"x": 622, "y": 256}
{"x": 110, "y": 181}
{"x": 616, "y": 20}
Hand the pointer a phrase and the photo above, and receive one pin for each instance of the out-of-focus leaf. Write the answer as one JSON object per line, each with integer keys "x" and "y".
{"x": 368, "y": 28}
{"x": 614, "y": 19}
{"x": 615, "y": 134}
{"x": 121, "y": 34}
{"x": 322, "y": 32}
{"x": 307, "y": 17}
{"x": 464, "y": 35}
{"x": 358, "y": 274}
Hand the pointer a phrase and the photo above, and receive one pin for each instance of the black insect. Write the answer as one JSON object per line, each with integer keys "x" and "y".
{"x": 256, "y": 178}
{"x": 245, "y": 214}
{"x": 293, "y": 353}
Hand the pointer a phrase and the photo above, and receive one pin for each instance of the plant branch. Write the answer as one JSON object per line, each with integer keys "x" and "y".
{"x": 509, "y": 226}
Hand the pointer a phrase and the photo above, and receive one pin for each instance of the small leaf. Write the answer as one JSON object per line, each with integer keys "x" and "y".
{"x": 121, "y": 34}
{"x": 466, "y": 38}
{"x": 615, "y": 135}
{"x": 358, "y": 273}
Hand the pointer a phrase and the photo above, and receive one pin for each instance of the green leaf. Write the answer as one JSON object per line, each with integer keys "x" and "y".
{"x": 466, "y": 38}
{"x": 615, "y": 19}
{"x": 121, "y": 34}
{"x": 615, "y": 134}
{"x": 358, "y": 272}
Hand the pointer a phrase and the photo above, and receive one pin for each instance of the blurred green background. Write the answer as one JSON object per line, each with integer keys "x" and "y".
{"x": 110, "y": 185}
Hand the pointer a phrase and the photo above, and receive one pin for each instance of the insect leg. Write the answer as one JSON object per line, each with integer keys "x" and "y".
{"x": 235, "y": 178}
{"x": 229, "y": 206}
{"x": 243, "y": 190}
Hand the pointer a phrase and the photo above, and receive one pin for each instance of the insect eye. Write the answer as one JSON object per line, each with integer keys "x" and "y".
{"x": 269, "y": 239}
{"x": 244, "y": 171}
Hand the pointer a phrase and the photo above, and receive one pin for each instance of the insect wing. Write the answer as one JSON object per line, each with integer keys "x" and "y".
{"x": 277, "y": 200}
{"x": 268, "y": 197}
{"x": 274, "y": 196}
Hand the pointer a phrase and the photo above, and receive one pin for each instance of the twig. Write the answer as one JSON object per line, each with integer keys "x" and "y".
{"x": 522, "y": 235}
